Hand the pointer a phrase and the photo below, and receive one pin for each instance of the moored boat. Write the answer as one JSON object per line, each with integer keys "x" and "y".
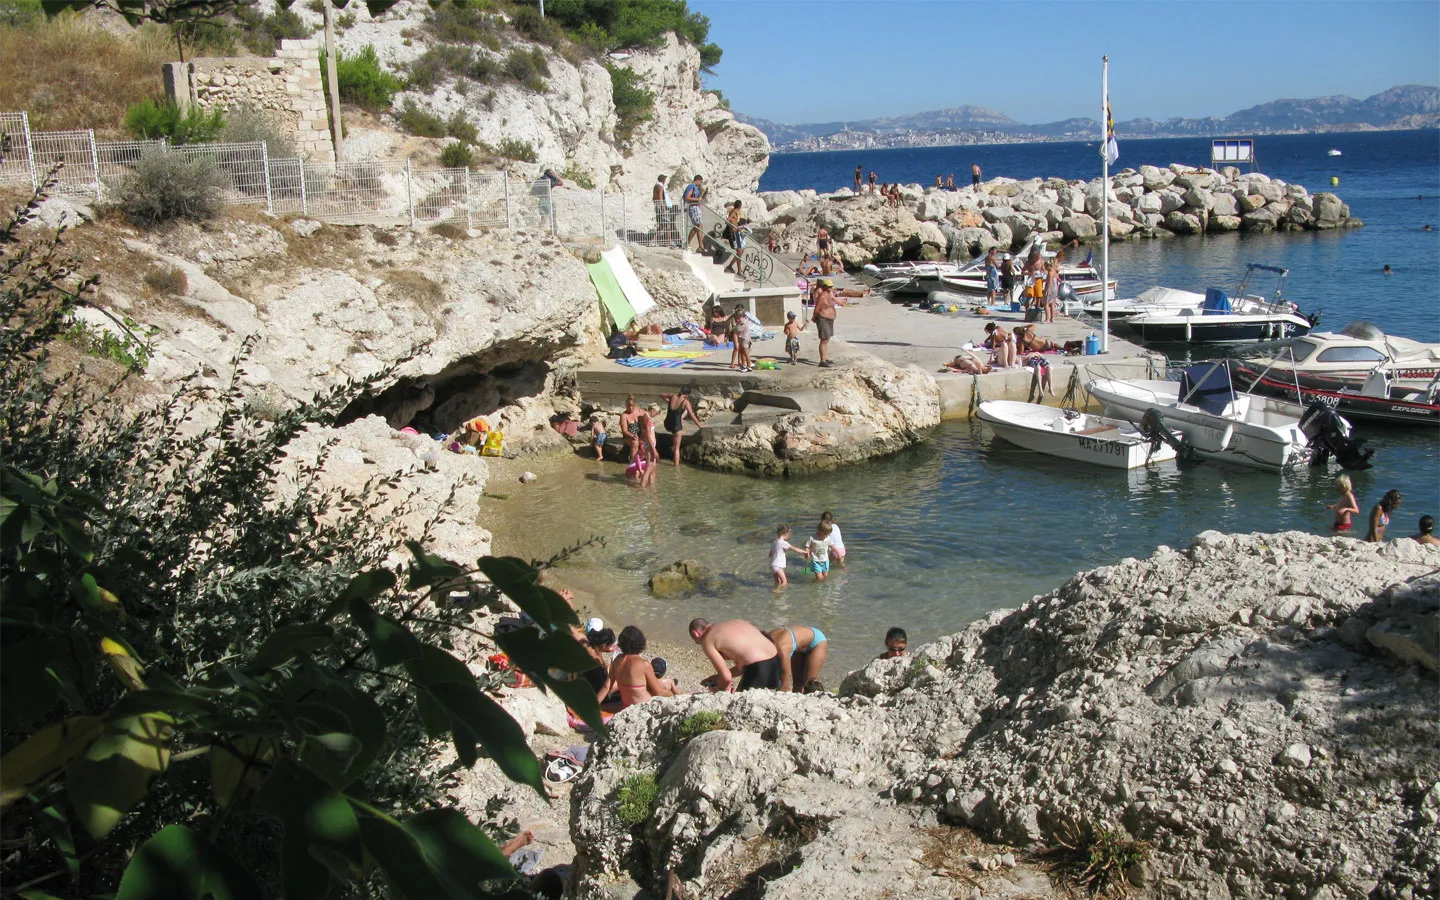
{"x": 1352, "y": 355}
{"x": 1065, "y": 433}
{"x": 1222, "y": 319}
{"x": 1373, "y": 401}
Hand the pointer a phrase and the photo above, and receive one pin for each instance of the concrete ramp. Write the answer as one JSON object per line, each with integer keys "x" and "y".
{"x": 807, "y": 401}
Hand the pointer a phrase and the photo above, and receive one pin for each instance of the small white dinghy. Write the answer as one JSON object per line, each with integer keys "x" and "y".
{"x": 1113, "y": 443}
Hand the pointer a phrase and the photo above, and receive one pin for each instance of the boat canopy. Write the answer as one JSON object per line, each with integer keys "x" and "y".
{"x": 1207, "y": 386}
{"x": 1217, "y": 302}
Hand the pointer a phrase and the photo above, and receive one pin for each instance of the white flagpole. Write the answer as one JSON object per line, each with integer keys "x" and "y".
{"x": 1105, "y": 205}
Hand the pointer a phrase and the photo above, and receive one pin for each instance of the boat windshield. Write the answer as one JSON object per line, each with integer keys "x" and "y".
{"x": 1351, "y": 354}
{"x": 1302, "y": 350}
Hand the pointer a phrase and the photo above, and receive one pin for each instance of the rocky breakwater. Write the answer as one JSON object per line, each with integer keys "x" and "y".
{"x": 1150, "y": 202}
{"x": 1254, "y": 716}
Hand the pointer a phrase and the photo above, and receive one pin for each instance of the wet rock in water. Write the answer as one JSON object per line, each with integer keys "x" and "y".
{"x": 760, "y": 536}
{"x": 634, "y": 562}
{"x": 679, "y": 577}
{"x": 723, "y": 584}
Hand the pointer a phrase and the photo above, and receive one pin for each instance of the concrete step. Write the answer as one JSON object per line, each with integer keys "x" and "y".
{"x": 809, "y": 401}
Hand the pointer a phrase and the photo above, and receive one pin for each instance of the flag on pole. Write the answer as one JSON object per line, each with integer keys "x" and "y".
{"x": 1112, "y": 149}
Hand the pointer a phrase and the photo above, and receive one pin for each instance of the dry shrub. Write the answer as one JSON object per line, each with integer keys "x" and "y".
{"x": 70, "y": 72}
{"x": 450, "y": 230}
{"x": 167, "y": 280}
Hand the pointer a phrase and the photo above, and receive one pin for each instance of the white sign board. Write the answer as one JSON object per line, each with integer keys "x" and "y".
{"x": 1231, "y": 151}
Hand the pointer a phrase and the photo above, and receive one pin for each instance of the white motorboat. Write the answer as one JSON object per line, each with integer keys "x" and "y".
{"x": 1207, "y": 417}
{"x": 1156, "y": 300}
{"x": 1222, "y": 319}
{"x": 1113, "y": 443}
{"x": 1333, "y": 153}
{"x": 1353, "y": 354}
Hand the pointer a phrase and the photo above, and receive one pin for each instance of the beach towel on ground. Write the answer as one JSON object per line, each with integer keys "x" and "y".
{"x": 674, "y": 354}
{"x": 611, "y": 297}
{"x": 640, "y": 300}
{"x": 640, "y": 362}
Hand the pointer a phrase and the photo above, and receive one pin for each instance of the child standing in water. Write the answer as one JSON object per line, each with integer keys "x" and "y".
{"x": 792, "y": 337}
{"x": 818, "y": 549}
{"x": 777, "y": 555}
{"x": 1346, "y": 507}
{"x": 837, "y": 543}
{"x": 597, "y": 435}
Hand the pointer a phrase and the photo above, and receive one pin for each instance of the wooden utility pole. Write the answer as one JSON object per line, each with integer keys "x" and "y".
{"x": 337, "y": 130}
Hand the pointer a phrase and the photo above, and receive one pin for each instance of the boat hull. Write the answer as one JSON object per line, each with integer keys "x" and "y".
{"x": 1344, "y": 398}
{"x": 1272, "y": 447}
{"x": 1221, "y": 329}
{"x": 1111, "y": 443}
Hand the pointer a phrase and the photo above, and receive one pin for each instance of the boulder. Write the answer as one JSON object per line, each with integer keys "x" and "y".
{"x": 1149, "y": 203}
{"x": 1328, "y": 209}
{"x": 1197, "y": 198}
{"x": 1077, "y": 227}
{"x": 1150, "y": 221}
{"x": 680, "y": 577}
{"x": 1299, "y": 218}
{"x": 778, "y": 199}
{"x": 1156, "y": 179}
{"x": 1248, "y": 203}
{"x": 1259, "y": 220}
{"x": 1005, "y": 237}
{"x": 930, "y": 235}
{"x": 1071, "y": 198}
{"x": 1278, "y": 207}
{"x": 1119, "y": 228}
{"x": 1224, "y": 205}
{"x": 931, "y": 207}
{"x": 1218, "y": 224}
{"x": 1199, "y": 179}
{"x": 1270, "y": 190}
{"x": 1170, "y": 201}
{"x": 1182, "y": 222}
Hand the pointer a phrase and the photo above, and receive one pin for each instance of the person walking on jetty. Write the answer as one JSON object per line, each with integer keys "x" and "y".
{"x": 737, "y": 649}
{"x": 664, "y": 213}
{"x": 693, "y": 195}
{"x": 859, "y": 178}
{"x": 802, "y": 652}
{"x": 818, "y": 549}
{"x": 1380, "y": 516}
{"x": 824, "y": 315}
{"x": 1345, "y": 507}
{"x": 678, "y": 406}
{"x": 778, "y": 561}
{"x": 793, "y": 327}
{"x": 974, "y": 175}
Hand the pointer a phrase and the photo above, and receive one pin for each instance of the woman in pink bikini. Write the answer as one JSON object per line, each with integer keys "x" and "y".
{"x": 1380, "y": 516}
{"x": 632, "y": 674}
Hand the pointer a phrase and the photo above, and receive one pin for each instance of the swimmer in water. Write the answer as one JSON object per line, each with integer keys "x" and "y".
{"x": 1386, "y": 270}
{"x": 1427, "y": 228}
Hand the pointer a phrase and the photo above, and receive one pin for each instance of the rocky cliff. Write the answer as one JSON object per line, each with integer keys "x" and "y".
{"x": 1253, "y": 716}
{"x": 571, "y": 124}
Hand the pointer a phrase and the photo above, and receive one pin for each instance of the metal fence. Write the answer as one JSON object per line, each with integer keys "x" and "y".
{"x": 352, "y": 193}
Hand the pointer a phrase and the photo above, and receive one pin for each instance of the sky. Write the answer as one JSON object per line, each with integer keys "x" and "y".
{"x": 797, "y": 61}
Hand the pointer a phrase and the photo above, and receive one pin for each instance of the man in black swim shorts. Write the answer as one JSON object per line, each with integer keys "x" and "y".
{"x": 737, "y": 641}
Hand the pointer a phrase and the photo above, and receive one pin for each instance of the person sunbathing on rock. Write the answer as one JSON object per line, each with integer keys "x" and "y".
{"x": 1002, "y": 343}
{"x": 1027, "y": 341}
{"x": 968, "y": 363}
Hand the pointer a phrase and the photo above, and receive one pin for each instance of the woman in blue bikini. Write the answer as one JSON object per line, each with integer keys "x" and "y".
{"x": 802, "y": 652}
{"x": 1380, "y": 516}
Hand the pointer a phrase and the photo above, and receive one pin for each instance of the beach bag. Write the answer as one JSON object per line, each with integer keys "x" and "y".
{"x": 494, "y": 444}
{"x": 1074, "y": 348}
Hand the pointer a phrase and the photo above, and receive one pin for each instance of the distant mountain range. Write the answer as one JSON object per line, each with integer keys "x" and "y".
{"x": 1406, "y": 106}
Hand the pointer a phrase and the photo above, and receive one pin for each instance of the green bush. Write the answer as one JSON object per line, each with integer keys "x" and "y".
{"x": 363, "y": 81}
{"x": 634, "y": 104}
{"x": 149, "y": 120}
{"x": 699, "y": 723}
{"x": 635, "y": 795}
{"x": 244, "y": 123}
{"x": 578, "y": 177}
{"x": 483, "y": 68}
{"x": 438, "y": 63}
{"x": 262, "y": 34}
{"x": 20, "y": 13}
{"x": 421, "y": 122}
{"x": 463, "y": 22}
{"x": 628, "y": 23}
{"x": 456, "y": 156}
{"x": 166, "y": 186}
{"x": 460, "y": 128}
{"x": 129, "y": 350}
{"x": 513, "y": 148}
{"x": 528, "y": 67}
{"x": 205, "y": 669}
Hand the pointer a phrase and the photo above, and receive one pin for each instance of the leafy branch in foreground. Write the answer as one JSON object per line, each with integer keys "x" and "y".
{"x": 211, "y": 684}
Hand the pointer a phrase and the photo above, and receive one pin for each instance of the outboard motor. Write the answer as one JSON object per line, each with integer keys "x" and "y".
{"x": 1066, "y": 293}
{"x": 1154, "y": 429}
{"x": 1329, "y": 435}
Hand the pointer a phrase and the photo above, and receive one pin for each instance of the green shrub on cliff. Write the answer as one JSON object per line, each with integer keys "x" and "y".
{"x": 167, "y": 185}
{"x": 151, "y": 120}
{"x": 363, "y": 80}
{"x": 634, "y": 797}
{"x": 634, "y": 103}
{"x": 212, "y": 685}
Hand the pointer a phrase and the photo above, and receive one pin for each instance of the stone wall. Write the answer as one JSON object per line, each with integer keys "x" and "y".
{"x": 286, "y": 86}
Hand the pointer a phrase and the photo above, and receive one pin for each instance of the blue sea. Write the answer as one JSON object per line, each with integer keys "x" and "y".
{"x": 1390, "y": 179}
{"x": 964, "y": 523}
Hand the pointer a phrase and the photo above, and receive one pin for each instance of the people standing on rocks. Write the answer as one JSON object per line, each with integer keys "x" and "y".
{"x": 824, "y": 315}
{"x": 802, "y": 653}
{"x": 778, "y": 561}
{"x": 597, "y": 435}
{"x": 1345, "y": 507}
{"x": 1427, "y": 531}
{"x": 793, "y": 327}
{"x": 896, "y": 642}
{"x": 872, "y": 181}
{"x": 678, "y": 406}
{"x": 975, "y": 175}
{"x": 950, "y": 182}
{"x": 664, "y": 212}
{"x": 736, "y": 648}
{"x": 859, "y": 177}
{"x": 630, "y": 428}
{"x": 631, "y": 674}
{"x": 1380, "y": 516}
{"x": 692, "y": 197}
{"x": 837, "y": 543}
{"x": 818, "y": 549}
{"x": 1052, "y": 288}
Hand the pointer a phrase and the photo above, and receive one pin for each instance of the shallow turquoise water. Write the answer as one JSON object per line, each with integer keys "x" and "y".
{"x": 938, "y": 535}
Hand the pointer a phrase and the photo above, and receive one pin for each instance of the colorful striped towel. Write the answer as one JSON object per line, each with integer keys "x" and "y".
{"x": 640, "y": 362}
{"x": 674, "y": 354}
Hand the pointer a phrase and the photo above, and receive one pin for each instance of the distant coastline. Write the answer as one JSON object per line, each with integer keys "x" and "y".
{"x": 919, "y": 141}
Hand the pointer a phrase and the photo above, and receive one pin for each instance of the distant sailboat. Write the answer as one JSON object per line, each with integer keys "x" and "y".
{"x": 1333, "y": 153}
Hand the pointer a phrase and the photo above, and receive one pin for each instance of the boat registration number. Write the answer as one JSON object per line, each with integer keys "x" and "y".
{"x": 1416, "y": 373}
{"x": 1097, "y": 446}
